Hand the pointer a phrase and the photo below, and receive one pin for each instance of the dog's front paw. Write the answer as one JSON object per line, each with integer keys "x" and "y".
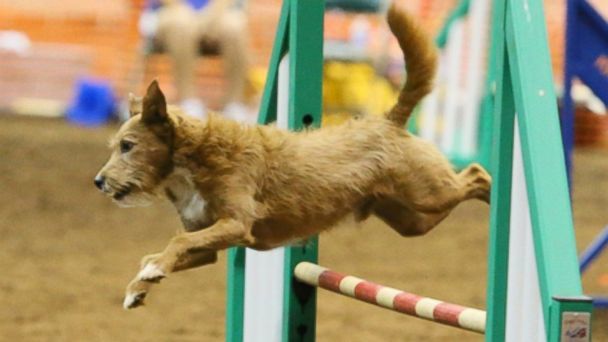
{"x": 151, "y": 272}
{"x": 135, "y": 294}
{"x": 133, "y": 300}
{"x": 148, "y": 259}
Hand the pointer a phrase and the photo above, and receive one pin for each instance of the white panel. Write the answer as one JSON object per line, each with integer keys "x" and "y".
{"x": 263, "y": 295}
{"x": 524, "y": 309}
{"x": 450, "y": 114}
{"x": 430, "y": 105}
{"x": 263, "y": 315}
{"x": 478, "y": 38}
{"x": 283, "y": 93}
{"x": 454, "y": 92}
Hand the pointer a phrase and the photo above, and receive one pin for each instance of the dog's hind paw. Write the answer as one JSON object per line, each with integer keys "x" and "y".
{"x": 133, "y": 300}
{"x": 151, "y": 273}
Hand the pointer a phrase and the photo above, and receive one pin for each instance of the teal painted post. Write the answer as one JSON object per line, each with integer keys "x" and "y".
{"x": 495, "y": 56}
{"x": 235, "y": 294}
{"x": 268, "y": 106}
{"x": 498, "y": 256}
{"x": 305, "y": 106}
{"x": 543, "y": 157}
{"x": 502, "y": 161}
{"x": 306, "y": 63}
{"x": 299, "y": 300}
{"x": 459, "y": 12}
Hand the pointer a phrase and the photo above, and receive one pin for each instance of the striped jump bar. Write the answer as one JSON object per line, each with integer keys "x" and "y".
{"x": 386, "y": 297}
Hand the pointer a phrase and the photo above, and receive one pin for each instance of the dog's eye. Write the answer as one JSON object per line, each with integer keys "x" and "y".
{"x": 126, "y": 146}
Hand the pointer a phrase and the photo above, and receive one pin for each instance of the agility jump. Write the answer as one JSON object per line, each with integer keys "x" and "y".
{"x": 534, "y": 291}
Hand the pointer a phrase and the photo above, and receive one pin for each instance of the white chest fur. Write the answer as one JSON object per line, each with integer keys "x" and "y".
{"x": 188, "y": 201}
{"x": 194, "y": 210}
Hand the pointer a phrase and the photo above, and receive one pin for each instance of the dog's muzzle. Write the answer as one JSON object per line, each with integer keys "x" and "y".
{"x": 99, "y": 182}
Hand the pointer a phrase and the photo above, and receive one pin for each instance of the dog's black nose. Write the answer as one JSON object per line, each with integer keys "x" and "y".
{"x": 99, "y": 180}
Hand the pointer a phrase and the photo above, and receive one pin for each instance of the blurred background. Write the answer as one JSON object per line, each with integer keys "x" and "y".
{"x": 66, "y": 68}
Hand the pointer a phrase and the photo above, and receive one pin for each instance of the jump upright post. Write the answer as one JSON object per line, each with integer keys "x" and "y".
{"x": 533, "y": 292}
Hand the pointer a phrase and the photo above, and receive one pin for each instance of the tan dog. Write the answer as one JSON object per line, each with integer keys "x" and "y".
{"x": 262, "y": 187}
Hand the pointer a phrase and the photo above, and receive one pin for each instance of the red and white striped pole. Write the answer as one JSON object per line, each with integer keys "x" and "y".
{"x": 386, "y": 297}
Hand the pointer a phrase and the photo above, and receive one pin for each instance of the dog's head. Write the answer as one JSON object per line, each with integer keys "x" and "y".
{"x": 142, "y": 151}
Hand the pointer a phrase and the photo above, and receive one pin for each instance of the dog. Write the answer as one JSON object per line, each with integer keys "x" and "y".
{"x": 262, "y": 187}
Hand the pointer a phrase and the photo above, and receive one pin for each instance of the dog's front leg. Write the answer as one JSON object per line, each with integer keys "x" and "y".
{"x": 185, "y": 251}
{"x": 190, "y": 260}
{"x": 223, "y": 234}
{"x": 137, "y": 290}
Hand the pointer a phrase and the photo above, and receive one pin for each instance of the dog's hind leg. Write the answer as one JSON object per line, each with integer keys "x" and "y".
{"x": 406, "y": 221}
{"x": 137, "y": 289}
{"x": 438, "y": 193}
{"x": 478, "y": 182}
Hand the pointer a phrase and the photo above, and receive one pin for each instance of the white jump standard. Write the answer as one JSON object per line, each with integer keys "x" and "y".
{"x": 389, "y": 298}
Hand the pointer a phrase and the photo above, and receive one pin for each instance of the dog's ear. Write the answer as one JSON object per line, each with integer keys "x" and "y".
{"x": 135, "y": 104}
{"x": 154, "y": 108}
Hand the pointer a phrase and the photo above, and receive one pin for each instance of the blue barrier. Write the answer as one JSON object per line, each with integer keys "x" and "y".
{"x": 587, "y": 60}
{"x": 594, "y": 250}
{"x": 93, "y": 104}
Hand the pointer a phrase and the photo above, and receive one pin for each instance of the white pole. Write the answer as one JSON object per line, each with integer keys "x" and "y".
{"x": 524, "y": 309}
{"x": 263, "y": 309}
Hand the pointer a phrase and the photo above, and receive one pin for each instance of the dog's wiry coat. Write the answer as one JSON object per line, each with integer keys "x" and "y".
{"x": 262, "y": 187}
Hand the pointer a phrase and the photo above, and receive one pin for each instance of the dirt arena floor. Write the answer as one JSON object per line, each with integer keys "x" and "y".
{"x": 66, "y": 254}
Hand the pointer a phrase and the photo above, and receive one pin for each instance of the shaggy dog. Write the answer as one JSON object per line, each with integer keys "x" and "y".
{"x": 262, "y": 187}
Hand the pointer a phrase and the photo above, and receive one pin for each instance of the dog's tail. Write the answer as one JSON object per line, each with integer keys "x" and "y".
{"x": 420, "y": 63}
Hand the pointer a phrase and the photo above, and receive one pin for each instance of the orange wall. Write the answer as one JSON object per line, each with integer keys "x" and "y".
{"x": 109, "y": 29}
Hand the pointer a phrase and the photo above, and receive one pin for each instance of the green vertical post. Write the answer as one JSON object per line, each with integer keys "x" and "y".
{"x": 235, "y": 294}
{"x": 299, "y": 300}
{"x": 305, "y": 106}
{"x": 268, "y": 107}
{"x": 460, "y": 11}
{"x": 502, "y": 161}
{"x": 498, "y": 256}
{"x": 542, "y": 152}
{"x": 487, "y": 111}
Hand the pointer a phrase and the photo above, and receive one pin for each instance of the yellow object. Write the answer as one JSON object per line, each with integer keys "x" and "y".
{"x": 348, "y": 89}
{"x": 256, "y": 78}
{"x": 354, "y": 88}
